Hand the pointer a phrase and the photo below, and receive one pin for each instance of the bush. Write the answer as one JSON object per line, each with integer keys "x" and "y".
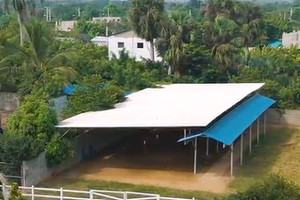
{"x": 58, "y": 150}
{"x": 33, "y": 118}
{"x": 93, "y": 94}
{"x": 15, "y": 194}
{"x": 274, "y": 187}
{"x": 14, "y": 148}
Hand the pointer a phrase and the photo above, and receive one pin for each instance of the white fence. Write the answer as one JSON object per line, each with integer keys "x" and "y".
{"x": 52, "y": 193}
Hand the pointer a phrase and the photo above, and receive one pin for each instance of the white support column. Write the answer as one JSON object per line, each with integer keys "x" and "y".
{"x": 184, "y": 135}
{"x": 207, "y": 146}
{"x": 242, "y": 149}
{"x": 231, "y": 160}
{"x": 217, "y": 146}
{"x": 250, "y": 139}
{"x": 265, "y": 124}
{"x": 195, "y": 156}
{"x": 257, "y": 137}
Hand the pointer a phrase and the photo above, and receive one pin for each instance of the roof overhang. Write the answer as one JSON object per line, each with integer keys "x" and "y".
{"x": 233, "y": 124}
{"x": 170, "y": 106}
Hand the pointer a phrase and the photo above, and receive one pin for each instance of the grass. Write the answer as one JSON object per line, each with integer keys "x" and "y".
{"x": 279, "y": 152}
{"x": 82, "y": 184}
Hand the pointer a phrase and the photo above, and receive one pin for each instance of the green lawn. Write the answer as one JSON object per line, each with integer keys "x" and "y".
{"x": 80, "y": 184}
{"x": 279, "y": 152}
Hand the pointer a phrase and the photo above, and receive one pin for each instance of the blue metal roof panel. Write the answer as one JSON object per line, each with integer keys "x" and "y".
{"x": 231, "y": 126}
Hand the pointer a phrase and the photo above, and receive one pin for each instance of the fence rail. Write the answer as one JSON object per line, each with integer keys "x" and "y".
{"x": 34, "y": 193}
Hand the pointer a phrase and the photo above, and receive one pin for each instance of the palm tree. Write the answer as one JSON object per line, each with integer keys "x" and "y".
{"x": 33, "y": 64}
{"x": 24, "y": 9}
{"x": 171, "y": 45}
{"x": 44, "y": 68}
{"x": 251, "y": 33}
{"x": 146, "y": 18}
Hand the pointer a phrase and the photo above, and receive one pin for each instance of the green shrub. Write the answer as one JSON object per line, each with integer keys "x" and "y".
{"x": 15, "y": 194}
{"x": 58, "y": 150}
{"x": 274, "y": 187}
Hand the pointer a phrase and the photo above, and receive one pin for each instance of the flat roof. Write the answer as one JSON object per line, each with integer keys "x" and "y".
{"x": 170, "y": 106}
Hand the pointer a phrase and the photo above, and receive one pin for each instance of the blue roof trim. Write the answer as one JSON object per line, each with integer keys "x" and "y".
{"x": 230, "y": 127}
{"x": 191, "y": 137}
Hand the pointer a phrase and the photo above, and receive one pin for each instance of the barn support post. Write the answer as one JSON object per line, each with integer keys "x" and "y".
{"x": 231, "y": 160}
{"x": 265, "y": 124}
{"x": 250, "y": 139}
{"x": 184, "y": 135}
{"x": 257, "y": 137}
{"x": 242, "y": 149}
{"x": 217, "y": 146}
{"x": 207, "y": 146}
{"x": 195, "y": 156}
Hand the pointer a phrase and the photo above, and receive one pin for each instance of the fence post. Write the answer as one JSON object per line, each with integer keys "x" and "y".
{"x": 32, "y": 192}
{"x": 4, "y": 192}
{"x": 125, "y": 195}
{"x": 158, "y": 197}
{"x": 61, "y": 193}
{"x": 91, "y": 194}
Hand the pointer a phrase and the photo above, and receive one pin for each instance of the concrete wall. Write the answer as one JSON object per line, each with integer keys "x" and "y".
{"x": 85, "y": 147}
{"x": 291, "y": 117}
{"x": 9, "y": 102}
{"x": 289, "y": 39}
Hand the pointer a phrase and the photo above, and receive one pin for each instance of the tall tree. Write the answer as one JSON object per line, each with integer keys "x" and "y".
{"x": 44, "y": 69}
{"x": 171, "y": 45}
{"x": 24, "y": 9}
{"x": 146, "y": 17}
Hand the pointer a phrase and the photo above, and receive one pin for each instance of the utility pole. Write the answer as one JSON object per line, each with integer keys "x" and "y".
{"x": 48, "y": 14}
{"x": 78, "y": 12}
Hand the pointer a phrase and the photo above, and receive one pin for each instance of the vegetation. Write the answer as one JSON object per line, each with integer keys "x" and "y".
{"x": 274, "y": 187}
{"x": 15, "y": 194}
{"x": 200, "y": 42}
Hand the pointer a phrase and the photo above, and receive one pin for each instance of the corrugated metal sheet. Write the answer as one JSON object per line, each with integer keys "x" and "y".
{"x": 231, "y": 126}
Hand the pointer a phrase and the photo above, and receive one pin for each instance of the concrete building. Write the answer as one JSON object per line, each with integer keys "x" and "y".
{"x": 65, "y": 25}
{"x": 291, "y": 39}
{"x": 100, "y": 40}
{"x": 136, "y": 47}
{"x": 106, "y": 19}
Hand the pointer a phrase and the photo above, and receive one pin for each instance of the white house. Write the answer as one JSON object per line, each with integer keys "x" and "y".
{"x": 106, "y": 19}
{"x": 135, "y": 46}
{"x": 65, "y": 25}
{"x": 291, "y": 39}
{"x": 100, "y": 40}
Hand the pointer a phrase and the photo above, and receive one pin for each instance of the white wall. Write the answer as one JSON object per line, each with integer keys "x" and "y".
{"x": 130, "y": 44}
{"x": 289, "y": 39}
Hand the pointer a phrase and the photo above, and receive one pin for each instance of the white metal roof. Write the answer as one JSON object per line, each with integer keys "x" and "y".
{"x": 176, "y": 105}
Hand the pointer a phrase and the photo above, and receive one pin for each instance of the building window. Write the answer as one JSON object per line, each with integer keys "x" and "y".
{"x": 140, "y": 45}
{"x": 120, "y": 44}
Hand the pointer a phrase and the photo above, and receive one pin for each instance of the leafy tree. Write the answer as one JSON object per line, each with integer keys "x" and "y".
{"x": 93, "y": 94}
{"x": 14, "y": 148}
{"x": 58, "y": 150}
{"x": 34, "y": 118}
{"x": 146, "y": 17}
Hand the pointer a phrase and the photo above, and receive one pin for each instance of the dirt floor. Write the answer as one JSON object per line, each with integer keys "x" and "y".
{"x": 161, "y": 162}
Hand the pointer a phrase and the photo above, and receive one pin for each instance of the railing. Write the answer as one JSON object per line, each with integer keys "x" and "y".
{"x": 35, "y": 193}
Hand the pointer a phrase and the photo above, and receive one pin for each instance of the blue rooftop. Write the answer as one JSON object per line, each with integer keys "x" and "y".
{"x": 275, "y": 44}
{"x": 232, "y": 125}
